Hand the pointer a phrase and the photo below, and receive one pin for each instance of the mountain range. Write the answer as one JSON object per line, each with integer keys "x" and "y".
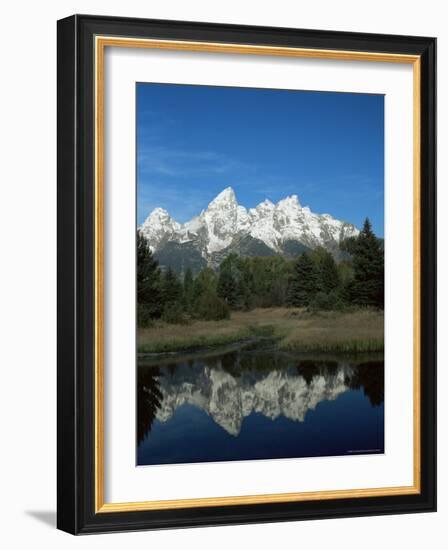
{"x": 228, "y": 399}
{"x": 285, "y": 228}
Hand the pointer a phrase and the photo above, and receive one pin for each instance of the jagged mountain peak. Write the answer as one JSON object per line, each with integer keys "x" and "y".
{"x": 158, "y": 227}
{"x": 291, "y": 201}
{"x": 159, "y": 214}
{"x": 227, "y": 196}
{"x": 265, "y": 205}
{"x": 224, "y": 225}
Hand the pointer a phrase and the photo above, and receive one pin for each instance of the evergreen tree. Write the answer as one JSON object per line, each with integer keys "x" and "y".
{"x": 228, "y": 288}
{"x": 205, "y": 281}
{"x": 349, "y": 245}
{"x": 233, "y": 282}
{"x": 303, "y": 285}
{"x": 246, "y": 284}
{"x": 328, "y": 274}
{"x": 367, "y": 287}
{"x": 149, "y": 297}
{"x": 318, "y": 255}
{"x": 267, "y": 283}
{"x": 171, "y": 288}
{"x": 188, "y": 290}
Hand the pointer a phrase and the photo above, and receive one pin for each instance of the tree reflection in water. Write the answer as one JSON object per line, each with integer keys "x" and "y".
{"x": 370, "y": 377}
{"x": 149, "y": 399}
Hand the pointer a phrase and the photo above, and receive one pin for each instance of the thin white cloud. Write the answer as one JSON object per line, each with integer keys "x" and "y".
{"x": 171, "y": 162}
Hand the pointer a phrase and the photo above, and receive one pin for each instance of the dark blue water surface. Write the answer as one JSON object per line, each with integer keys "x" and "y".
{"x": 245, "y": 404}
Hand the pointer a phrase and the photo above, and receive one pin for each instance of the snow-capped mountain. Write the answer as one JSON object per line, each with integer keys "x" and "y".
{"x": 228, "y": 399}
{"x": 225, "y": 226}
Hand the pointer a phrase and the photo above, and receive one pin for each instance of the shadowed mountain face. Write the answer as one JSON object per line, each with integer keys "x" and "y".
{"x": 224, "y": 227}
{"x": 227, "y": 394}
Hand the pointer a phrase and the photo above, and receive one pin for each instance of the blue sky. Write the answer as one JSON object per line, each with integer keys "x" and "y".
{"x": 325, "y": 147}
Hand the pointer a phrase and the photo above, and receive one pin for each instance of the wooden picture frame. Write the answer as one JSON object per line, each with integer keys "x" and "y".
{"x": 82, "y": 40}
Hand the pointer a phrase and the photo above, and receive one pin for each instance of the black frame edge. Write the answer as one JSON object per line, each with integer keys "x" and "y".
{"x": 75, "y": 276}
{"x": 428, "y": 298}
{"x": 181, "y": 25}
{"x": 67, "y": 490}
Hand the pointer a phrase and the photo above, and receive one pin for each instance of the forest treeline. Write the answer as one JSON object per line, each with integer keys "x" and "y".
{"x": 313, "y": 280}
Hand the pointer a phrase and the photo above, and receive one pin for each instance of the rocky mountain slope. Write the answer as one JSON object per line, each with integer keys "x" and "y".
{"x": 224, "y": 226}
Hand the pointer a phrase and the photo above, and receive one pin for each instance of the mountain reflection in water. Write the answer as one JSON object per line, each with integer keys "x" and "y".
{"x": 247, "y": 404}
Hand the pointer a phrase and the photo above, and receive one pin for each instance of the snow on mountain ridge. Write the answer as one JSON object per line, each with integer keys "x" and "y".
{"x": 225, "y": 198}
{"x": 229, "y": 400}
{"x": 216, "y": 227}
{"x": 158, "y": 226}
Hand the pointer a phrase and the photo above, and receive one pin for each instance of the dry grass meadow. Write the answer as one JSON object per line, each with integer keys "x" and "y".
{"x": 294, "y": 329}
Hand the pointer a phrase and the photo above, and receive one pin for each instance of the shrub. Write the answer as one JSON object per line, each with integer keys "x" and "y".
{"x": 323, "y": 301}
{"x": 174, "y": 314}
{"x": 144, "y": 319}
{"x": 211, "y": 307}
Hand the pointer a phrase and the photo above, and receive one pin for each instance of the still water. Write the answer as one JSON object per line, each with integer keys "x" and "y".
{"x": 244, "y": 403}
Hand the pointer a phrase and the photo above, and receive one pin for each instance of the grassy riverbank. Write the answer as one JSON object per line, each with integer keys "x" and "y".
{"x": 294, "y": 329}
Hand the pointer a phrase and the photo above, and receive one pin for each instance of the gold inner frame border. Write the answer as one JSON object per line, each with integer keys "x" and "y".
{"x": 100, "y": 44}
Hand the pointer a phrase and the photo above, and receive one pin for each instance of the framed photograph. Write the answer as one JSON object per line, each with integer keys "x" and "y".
{"x": 246, "y": 274}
